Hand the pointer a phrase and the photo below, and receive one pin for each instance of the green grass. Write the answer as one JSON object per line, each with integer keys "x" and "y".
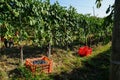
{"x": 68, "y": 65}
{"x": 93, "y": 67}
{"x": 3, "y": 74}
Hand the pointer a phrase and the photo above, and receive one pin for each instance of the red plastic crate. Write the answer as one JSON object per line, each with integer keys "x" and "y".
{"x": 47, "y": 67}
{"x": 85, "y": 51}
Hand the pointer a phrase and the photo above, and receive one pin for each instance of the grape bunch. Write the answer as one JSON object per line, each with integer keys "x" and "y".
{"x": 39, "y": 62}
{"x": 8, "y": 43}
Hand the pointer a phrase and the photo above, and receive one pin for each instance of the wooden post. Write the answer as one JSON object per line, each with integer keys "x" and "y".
{"x": 21, "y": 55}
{"x": 49, "y": 49}
{"x": 115, "y": 56}
{"x": 21, "y": 46}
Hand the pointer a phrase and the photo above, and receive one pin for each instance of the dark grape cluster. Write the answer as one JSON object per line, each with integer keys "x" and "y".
{"x": 8, "y": 43}
{"x": 39, "y": 62}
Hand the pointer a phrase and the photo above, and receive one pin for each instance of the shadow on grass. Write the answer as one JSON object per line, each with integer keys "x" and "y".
{"x": 96, "y": 68}
{"x": 10, "y": 57}
{"x": 28, "y": 52}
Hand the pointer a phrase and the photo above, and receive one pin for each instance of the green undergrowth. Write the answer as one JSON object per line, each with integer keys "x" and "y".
{"x": 68, "y": 65}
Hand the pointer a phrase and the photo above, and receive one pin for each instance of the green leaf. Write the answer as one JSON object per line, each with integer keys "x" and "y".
{"x": 108, "y": 9}
{"x": 2, "y": 1}
{"x": 98, "y": 4}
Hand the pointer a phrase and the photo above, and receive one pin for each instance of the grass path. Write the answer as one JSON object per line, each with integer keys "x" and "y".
{"x": 68, "y": 65}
